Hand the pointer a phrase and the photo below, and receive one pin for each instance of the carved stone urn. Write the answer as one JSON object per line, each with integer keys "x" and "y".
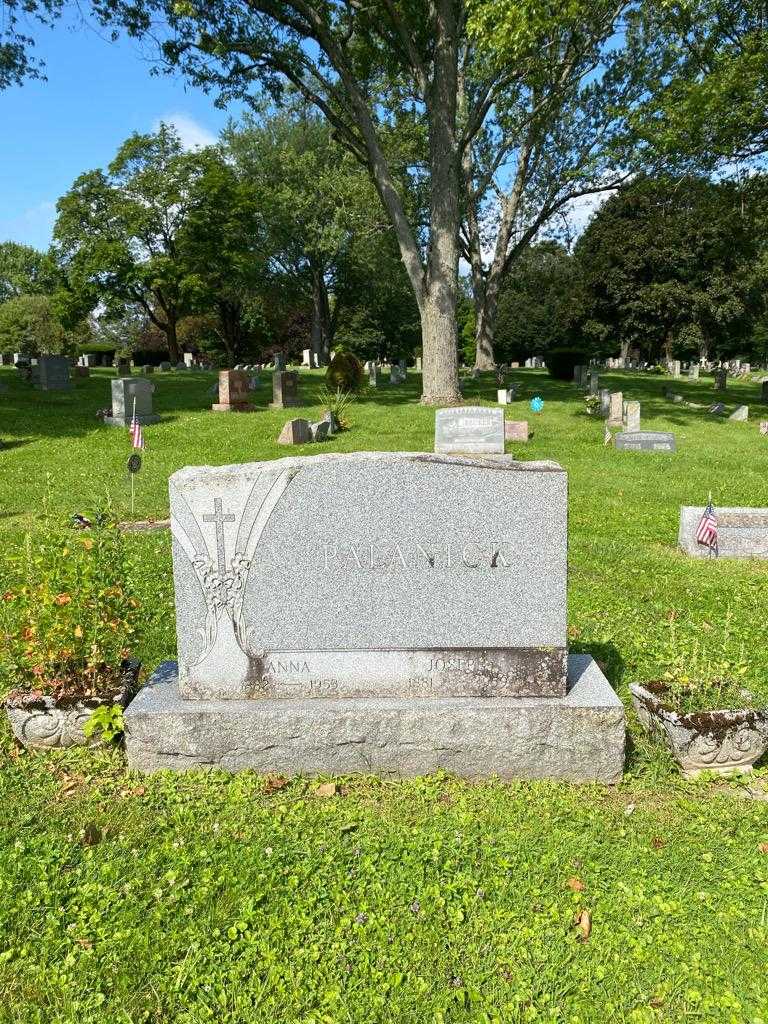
{"x": 724, "y": 742}
{"x": 44, "y": 722}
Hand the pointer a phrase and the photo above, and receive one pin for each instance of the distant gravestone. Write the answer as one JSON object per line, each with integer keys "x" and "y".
{"x": 181, "y": 365}
{"x": 234, "y": 394}
{"x": 279, "y": 361}
{"x": 605, "y": 402}
{"x": 741, "y": 414}
{"x": 693, "y": 371}
{"x": 469, "y": 430}
{"x": 82, "y": 371}
{"x": 516, "y": 430}
{"x": 295, "y": 432}
{"x": 285, "y": 389}
{"x": 741, "y": 532}
{"x": 764, "y": 427}
{"x": 6, "y": 359}
{"x": 90, "y": 359}
{"x": 764, "y": 392}
{"x": 165, "y": 367}
{"x": 147, "y": 369}
{"x": 129, "y": 393}
{"x": 505, "y": 396}
{"x": 646, "y": 441}
{"x": 53, "y": 373}
{"x": 122, "y": 367}
{"x": 306, "y": 357}
{"x": 676, "y": 368}
{"x": 632, "y": 417}
{"x": 721, "y": 377}
{"x": 321, "y": 430}
{"x": 616, "y": 409}
{"x": 418, "y": 364}
{"x": 189, "y": 359}
{"x": 373, "y": 375}
{"x": 594, "y": 383}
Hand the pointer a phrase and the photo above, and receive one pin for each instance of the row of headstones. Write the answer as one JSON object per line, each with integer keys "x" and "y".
{"x": 396, "y": 373}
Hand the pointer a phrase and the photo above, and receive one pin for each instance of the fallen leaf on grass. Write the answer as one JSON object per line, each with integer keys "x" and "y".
{"x": 657, "y": 843}
{"x": 326, "y": 789}
{"x": 656, "y": 1002}
{"x": 629, "y": 809}
{"x": 575, "y": 885}
{"x": 583, "y": 922}
{"x": 763, "y": 847}
{"x": 85, "y": 943}
{"x": 70, "y": 787}
{"x": 275, "y": 783}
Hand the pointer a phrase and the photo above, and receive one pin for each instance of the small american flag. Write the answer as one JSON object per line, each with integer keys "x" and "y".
{"x": 706, "y": 531}
{"x": 137, "y": 438}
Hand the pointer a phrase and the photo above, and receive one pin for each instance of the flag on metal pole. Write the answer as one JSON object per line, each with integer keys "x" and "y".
{"x": 706, "y": 531}
{"x": 137, "y": 438}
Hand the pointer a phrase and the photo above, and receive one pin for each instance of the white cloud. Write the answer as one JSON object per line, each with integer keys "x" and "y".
{"x": 580, "y": 210}
{"x": 192, "y": 134}
{"x": 33, "y": 226}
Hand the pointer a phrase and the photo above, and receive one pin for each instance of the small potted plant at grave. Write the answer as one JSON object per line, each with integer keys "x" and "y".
{"x": 337, "y": 404}
{"x": 703, "y": 711}
{"x": 68, "y": 624}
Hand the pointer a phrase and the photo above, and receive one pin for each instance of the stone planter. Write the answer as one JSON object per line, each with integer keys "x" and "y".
{"x": 45, "y": 722}
{"x": 724, "y": 742}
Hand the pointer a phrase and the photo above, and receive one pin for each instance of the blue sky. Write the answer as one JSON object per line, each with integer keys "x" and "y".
{"x": 97, "y": 94}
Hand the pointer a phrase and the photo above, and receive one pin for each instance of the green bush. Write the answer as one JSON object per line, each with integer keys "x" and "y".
{"x": 561, "y": 361}
{"x": 68, "y": 618}
{"x": 345, "y": 372}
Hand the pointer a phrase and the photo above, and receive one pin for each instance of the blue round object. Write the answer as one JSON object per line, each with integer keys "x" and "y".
{"x": 537, "y": 404}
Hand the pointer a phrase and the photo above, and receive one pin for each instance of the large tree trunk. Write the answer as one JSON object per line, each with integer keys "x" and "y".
{"x": 439, "y": 328}
{"x": 174, "y": 352}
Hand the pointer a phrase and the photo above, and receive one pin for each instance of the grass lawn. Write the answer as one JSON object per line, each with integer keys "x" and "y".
{"x": 215, "y": 898}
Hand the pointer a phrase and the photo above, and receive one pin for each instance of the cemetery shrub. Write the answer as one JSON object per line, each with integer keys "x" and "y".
{"x": 337, "y": 403}
{"x": 345, "y": 372}
{"x": 561, "y": 361}
{"x": 68, "y": 618}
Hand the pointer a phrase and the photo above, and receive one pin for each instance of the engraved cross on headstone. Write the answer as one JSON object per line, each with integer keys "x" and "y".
{"x": 219, "y": 519}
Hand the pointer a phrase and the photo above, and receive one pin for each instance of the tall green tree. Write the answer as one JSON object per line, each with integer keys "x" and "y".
{"x": 374, "y": 71}
{"x": 17, "y": 60}
{"x": 25, "y": 271}
{"x": 119, "y": 235}
{"x": 316, "y": 205}
{"x": 223, "y": 247}
{"x": 672, "y": 265}
{"x": 559, "y": 130}
{"x": 709, "y": 101}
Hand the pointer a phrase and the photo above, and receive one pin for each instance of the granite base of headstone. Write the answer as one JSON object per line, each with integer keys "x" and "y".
{"x": 645, "y": 441}
{"x": 741, "y": 532}
{"x": 740, "y": 414}
{"x": 395, "y": 613}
